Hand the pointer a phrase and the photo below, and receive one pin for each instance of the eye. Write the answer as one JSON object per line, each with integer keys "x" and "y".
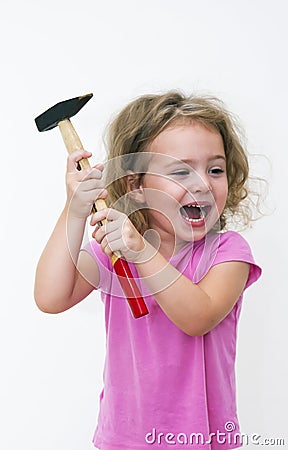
{"x": 180, "y": 172}
{"x": 216, "y": 171}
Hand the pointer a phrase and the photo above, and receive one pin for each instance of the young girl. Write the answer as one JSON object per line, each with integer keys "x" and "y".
{"x": 177, "y": 173}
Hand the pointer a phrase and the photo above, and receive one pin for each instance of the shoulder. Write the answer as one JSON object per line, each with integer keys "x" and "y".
{"x": 230, "y": 244}
{"x": 234, "y": 245}
{"x": 235, "y": 239}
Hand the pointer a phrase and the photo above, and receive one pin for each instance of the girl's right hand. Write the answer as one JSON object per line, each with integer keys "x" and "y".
{"x": 83, "y": 186}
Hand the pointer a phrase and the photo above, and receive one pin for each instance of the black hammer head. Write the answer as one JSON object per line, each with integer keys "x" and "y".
{"x": 61, "y": 111}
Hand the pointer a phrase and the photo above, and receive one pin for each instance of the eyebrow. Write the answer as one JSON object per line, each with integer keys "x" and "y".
{"x": 209, "y": 159}
{"x": 191, "y": 161}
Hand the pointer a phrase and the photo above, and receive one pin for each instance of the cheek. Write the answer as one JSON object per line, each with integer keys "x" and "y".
{"x": 162, "y": 190}
{"x": 221, "y": 194}
{"x": 160, "y": 200}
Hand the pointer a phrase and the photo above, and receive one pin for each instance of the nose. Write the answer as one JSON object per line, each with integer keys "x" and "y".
{"x": 199, "y": 183}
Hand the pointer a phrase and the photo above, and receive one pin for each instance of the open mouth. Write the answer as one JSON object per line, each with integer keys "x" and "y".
{"x": 195, "y": 213}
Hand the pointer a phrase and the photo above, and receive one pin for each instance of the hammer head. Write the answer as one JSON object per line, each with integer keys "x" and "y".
{"x": 61, "y": 111}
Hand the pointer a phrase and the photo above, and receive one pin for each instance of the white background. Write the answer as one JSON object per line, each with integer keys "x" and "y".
{"x": 51, "y": 366}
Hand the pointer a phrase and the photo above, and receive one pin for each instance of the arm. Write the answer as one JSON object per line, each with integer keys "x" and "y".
{"x": 194, "y": 308}
{"x": 63, "y": 278}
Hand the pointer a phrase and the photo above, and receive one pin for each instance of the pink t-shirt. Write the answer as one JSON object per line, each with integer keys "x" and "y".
{"x": 162, "y": 388}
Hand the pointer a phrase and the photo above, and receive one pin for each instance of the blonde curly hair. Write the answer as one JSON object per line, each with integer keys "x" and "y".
{"x": 137, "y": 125}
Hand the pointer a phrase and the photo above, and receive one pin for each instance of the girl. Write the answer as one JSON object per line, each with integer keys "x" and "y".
{"x": 177, "y": 173}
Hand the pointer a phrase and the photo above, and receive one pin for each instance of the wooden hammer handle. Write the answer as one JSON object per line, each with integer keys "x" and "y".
{"x": 73, "y": 143}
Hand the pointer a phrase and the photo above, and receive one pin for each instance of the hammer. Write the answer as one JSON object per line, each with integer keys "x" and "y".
{"x": 59, "y": 115}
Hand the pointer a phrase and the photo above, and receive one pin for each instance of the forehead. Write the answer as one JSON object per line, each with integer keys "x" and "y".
{"x": 188, "y": 141}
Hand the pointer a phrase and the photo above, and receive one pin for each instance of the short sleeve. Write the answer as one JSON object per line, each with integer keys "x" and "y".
{"x": 233, "y": 247}
{"x": 104, "y": 265}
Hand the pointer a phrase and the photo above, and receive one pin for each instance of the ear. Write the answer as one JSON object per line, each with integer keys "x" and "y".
{"x": 134, "y": 187}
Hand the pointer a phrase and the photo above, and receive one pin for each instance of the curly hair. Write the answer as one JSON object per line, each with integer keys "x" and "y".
{"x": 138, "y": 124}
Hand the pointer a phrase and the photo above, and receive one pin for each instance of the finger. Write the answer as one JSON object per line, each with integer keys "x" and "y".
{"x": 89, "y": 198}
{"x": 87, "y": 174}
{"x": 109, "y": 231}
{"x": 111, "y": 227}
{"x": 99, "y": 166}
{"x": 99, "y": 194}
{"x": 109, "y": 214}
{"x": 103, "y": 242}
{"x": 107, "y": 247}
{"x": 111, "y": 247}
{"x": 114, "y": 214}
{"x": 89, "y": 184}
{"x": 98, "y": 216}
{"x": 93, "y": 173}
{"x": 96, "y": 235}
{"x": 75, "y": 157}
{"x": 107, "y": 227}
{"x": 107, "y": 250}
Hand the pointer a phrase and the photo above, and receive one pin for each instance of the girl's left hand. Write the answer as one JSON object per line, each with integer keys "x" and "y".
{"x": 117, "y": 234}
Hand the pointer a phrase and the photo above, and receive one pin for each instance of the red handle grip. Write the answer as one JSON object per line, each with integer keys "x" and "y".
{"x": 130, "y": 288}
